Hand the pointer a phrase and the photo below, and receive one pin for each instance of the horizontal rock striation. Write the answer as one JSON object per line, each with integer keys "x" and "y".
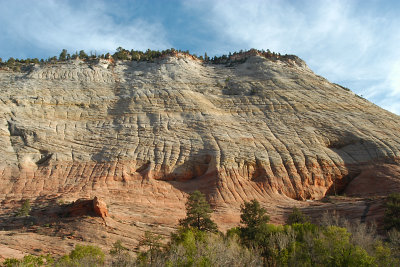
{"x": 149, "y": 132}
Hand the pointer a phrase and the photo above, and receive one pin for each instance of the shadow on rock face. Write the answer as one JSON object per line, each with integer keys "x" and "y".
{"x": 54, "y": 212}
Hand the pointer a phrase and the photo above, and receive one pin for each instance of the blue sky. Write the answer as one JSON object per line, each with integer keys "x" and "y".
{"x": 353, "y": 43}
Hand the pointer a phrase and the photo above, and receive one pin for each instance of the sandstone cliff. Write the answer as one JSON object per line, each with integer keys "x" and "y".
{"x": 146, "y": 133}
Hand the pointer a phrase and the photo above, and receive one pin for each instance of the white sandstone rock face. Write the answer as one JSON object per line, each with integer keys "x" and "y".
{"x": 153, "y": 131}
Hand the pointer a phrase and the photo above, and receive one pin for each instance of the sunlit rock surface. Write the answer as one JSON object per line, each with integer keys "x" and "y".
{"x": 143, "y": 135}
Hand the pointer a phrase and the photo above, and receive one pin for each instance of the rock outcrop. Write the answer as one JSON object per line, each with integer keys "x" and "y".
{"x": 146, "y": 133}
{"x": 80, "y": 207}
{"x": 100, "y": 207}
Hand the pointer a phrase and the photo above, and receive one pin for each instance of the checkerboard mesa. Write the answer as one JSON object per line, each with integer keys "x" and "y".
{"x": 251, "y": 125}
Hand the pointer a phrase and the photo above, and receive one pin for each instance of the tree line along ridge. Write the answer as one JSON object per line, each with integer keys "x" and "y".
{"x": 16, "y": 64}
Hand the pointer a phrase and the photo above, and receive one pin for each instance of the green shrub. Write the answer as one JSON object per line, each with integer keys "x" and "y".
{"x": 198, "y": 213}
{"x": 252, "y": 216}
{"x": 392, "y": 213}
{"x": 120, "y": 254}
{"x": 297, "y": 217}
{"x": 11, "y": 262}
{"x": 10, "y": 61}
{"x": 63, "y": 55}
{"x": 307, "y": 244}
{"x": 233, "y": 232}
{"x": 83, "y": 255}
{"x": 25, "y": 208}
{"x": 383, "y": 255}
{"x": 394, "y": 242}
{"x": 83, "y": 55}
{"x": 30, "y": 261}
{"x": 151, "y": 242}
{"x": 304, "y": 230}
{"x": 191, "y": 247}
{"x": 118, "y": 248}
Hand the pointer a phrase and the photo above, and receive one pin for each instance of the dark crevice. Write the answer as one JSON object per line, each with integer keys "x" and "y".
{"x": 365, "y": 212}
{"x": 45, "y": 158}
{"x": 338, "y": 144}
{"x": 339, "y": 184}
{"x": 15, "y": 131}
{"x": 143, "y": 168}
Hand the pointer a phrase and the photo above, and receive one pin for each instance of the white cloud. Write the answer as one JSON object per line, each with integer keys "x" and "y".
{"x": 340, "y": 40}
{"x": 92, "y": 26}
{"x": 349, "y": 43}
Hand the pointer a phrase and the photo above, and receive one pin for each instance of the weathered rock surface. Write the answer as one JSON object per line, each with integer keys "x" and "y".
{"x": 144, "y": 134}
